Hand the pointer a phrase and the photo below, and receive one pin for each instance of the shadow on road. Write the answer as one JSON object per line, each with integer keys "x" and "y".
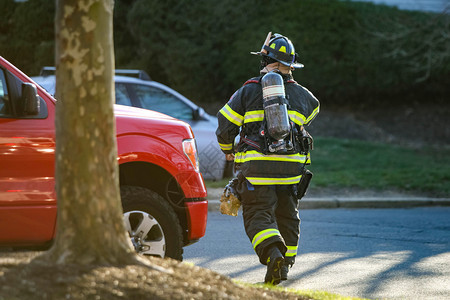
{"x": 373, "y": 253}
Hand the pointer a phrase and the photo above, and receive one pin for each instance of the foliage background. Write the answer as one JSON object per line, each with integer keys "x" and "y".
{"x": 355, "y": 54}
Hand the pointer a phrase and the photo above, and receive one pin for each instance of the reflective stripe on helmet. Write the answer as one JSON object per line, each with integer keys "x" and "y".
{"x": 291, "y": 251}
{"x": 281, "y": 49}
{"x": 282, "y": 57}
{"x": 264, "y": 235}
{"x": 231, "y": 115}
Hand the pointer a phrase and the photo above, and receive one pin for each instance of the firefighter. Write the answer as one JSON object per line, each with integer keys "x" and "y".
{"x": 268, "y": 179}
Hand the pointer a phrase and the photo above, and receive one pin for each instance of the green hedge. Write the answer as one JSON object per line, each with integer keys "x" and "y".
{"x": 27, "y": 33}
{"x": 354, "y": 53}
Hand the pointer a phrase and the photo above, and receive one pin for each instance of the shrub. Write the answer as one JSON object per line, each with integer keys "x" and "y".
{"x": 355, "y": 54}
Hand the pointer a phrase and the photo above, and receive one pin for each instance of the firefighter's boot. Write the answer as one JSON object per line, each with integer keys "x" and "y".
{"x": 287, "y": 265}
{"x": 274, "y": 263}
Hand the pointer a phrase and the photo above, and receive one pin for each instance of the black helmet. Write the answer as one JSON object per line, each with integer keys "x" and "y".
{"x": 281, "y": 49}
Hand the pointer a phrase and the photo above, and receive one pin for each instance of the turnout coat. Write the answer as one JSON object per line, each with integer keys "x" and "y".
{"x": 243, "y": 114}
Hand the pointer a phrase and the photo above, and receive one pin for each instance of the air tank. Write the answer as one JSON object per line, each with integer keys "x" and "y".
{"x": 275, "y": 108}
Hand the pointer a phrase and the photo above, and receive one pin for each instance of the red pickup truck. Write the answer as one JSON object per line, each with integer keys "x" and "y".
{"x": 163, "y": 193}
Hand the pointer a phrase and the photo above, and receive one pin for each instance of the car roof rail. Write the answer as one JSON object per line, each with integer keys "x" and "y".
{"x": 47, "y": 71}
{"x": 141, "y": 74}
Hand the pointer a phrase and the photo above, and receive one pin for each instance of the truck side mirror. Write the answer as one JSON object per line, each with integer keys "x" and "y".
{"x": 30, "y": 100}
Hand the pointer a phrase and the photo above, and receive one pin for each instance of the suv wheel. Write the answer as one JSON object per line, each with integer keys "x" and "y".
{"x": 151, "y": 222}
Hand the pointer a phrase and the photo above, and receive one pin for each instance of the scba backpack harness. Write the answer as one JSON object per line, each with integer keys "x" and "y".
{"x": 278, "y": 134}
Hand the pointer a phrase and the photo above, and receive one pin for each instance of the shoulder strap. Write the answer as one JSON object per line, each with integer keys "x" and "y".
{"x": 253, "y": 80}
{"x": 250, "y": 142}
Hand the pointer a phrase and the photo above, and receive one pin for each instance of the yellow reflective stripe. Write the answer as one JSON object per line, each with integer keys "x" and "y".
{"x": 231, "y": 115}
{"x": 242, "y": 157}
{"x": 282, "y": 49}
{"x": 313, "y": 114}
{"x": 263, "y": 235}
{"x": 291, "y": 251}
{"x": 254, "y": 116}
{"x": 226, "y": 146}
{"x": 273, "y": 181}
{"x": 297, "y": 117}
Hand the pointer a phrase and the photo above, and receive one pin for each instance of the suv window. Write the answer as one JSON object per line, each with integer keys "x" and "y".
{"x": 122, "y": 96}
{"x": 4, "y": 109}
{"x": 156, "y": 99}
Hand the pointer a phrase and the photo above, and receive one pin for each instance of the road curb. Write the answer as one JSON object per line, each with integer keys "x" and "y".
{"x": 372, "y": 203}
{"x": 356, "y": 202}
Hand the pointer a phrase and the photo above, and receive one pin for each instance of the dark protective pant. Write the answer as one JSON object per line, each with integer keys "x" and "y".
{"x": 270, "y": 208}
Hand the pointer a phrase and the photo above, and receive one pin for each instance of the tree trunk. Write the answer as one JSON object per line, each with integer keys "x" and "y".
{"x": 90, "y": 228}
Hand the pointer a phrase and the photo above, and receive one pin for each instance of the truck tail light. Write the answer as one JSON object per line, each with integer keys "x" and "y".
{"x": 190, "y": 149}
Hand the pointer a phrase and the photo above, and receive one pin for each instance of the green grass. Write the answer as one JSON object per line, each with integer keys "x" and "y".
{"x": 340, "y": 163}
{"x": 301, "y": 294}
{"x": 366, "y": 165}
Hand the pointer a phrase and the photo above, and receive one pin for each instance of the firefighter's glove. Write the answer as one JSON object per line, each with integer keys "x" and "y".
{"x": 229, "y": 201}
{"x": 306, "y": 142}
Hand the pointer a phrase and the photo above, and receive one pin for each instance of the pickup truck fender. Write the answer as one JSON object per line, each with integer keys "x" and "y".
{"x": 156, "y": 164}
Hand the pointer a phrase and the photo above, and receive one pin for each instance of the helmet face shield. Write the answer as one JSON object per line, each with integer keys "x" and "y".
{"x": 281, "y": 49}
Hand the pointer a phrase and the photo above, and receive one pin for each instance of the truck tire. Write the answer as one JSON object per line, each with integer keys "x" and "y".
{"x": 152, "y": 224}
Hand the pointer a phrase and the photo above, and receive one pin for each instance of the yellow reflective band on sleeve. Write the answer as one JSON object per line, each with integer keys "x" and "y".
{"x": 297, "y": 117}
{"x": 242, "y": 157}
{"x": 226, "y": 146}
{"x": 264, "y": 235}
{"x": 254, "y": 116}
{"x": 313, "y": 114}
{"x": 231, "y": 115}
{"x": 273, "y": 181}
{"x": 291, "y": 251}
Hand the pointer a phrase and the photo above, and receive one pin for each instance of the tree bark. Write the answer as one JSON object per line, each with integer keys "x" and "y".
{"x": 90, "y": 228}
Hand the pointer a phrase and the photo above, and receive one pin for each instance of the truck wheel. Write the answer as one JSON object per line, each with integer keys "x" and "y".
{"x": 151, "y": 222}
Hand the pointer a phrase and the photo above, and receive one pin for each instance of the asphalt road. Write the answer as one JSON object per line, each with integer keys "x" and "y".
{"x": 372, "y": 253}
